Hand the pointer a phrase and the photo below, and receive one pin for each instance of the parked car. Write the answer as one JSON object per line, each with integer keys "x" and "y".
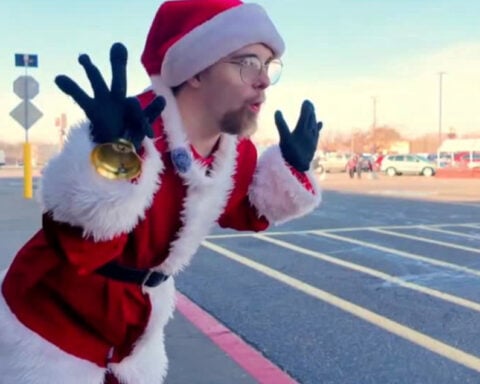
{"x": 442, "y": 161}
{"x": 331, "y": 162}
{"x": 464, "y": 159}
{"x": 366, "y": 163}
{"x": 407, "y": 164}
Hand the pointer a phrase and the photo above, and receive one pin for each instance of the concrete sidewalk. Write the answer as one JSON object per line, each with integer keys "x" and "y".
{"x": 194, "y": 359}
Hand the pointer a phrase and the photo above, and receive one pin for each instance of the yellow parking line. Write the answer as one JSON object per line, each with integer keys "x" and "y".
{"x": 250, "y": 234}
{"x": 472, "y": 225}
{"x": 282, "y": 233}
{"x": 348, "y": 229}
{"x": 329, "y": 230}
{"x": 425, "y": 240}
{"x": 366, "y": 228}
{"x": 375, "y": 273}
{"x": 460, "y": 234}
{"x": 454, "y": 354}
{"x": 397, "y": 252}
{"x": 456, "y": 225}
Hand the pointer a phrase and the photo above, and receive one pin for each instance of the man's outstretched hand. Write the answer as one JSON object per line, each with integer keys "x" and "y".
{"x": 112, "y": 115}
{"x": 298, "y": 147}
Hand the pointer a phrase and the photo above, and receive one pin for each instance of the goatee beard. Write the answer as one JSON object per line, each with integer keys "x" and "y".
{"x": 241, "y": 122}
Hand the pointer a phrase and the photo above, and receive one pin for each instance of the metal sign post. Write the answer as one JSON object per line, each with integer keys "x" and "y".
{"x": 26, "y": 114}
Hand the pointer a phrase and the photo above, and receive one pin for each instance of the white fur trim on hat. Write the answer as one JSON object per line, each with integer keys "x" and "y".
{"x": 217, "y": 38}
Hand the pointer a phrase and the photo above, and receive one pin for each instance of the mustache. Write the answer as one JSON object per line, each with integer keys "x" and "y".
{"x": 241, "y": 122}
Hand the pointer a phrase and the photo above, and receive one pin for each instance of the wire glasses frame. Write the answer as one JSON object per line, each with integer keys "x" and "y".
{"x": 251, "y": 69}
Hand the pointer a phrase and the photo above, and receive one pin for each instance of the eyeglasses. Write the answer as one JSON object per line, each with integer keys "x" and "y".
{"x": 251, "y": 69}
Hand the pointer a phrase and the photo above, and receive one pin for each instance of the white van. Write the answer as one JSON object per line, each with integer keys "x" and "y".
{"x": 331, "y": 162}
{"x": 407, "y": 164}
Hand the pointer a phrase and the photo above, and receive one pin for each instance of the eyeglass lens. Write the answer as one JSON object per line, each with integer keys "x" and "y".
{"x": 252, "y": 68}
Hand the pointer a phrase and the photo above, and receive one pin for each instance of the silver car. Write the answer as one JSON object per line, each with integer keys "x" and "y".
{"x": 331, "y": 162}
{"x": 407, "y": 164}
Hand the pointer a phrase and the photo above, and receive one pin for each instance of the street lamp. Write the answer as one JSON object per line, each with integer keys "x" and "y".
{"x": 440, "y": 82}
{"x": 374, "y": 125}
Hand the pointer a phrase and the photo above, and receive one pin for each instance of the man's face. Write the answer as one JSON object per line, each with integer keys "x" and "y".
{"x": 234, "y": 91}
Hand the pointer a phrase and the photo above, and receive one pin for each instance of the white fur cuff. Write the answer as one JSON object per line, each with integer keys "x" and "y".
{"x": 76, "y": 194}
{"x": 277, "y": 193}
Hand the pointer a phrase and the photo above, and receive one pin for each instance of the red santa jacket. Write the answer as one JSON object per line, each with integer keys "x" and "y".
{"x": 156, "y": 222}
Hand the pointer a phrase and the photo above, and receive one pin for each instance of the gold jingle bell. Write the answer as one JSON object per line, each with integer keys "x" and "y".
{"x": 117, "y": 160}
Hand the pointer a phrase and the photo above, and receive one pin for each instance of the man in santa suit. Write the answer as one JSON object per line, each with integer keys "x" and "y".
{"x": 86, "y": 300}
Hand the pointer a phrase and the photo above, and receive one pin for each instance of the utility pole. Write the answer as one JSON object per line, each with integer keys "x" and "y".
{"x": 440, "y": 101}
{"x": 374, "y": 124}
{"x": 61, "y": 123}
{"x": 352, "y": 140}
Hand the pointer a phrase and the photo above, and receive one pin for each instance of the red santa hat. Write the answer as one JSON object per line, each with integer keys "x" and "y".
{"x": 188, "y": 36}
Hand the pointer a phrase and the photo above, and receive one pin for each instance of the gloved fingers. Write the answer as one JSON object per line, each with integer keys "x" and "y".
{"x": 154, "y": 109}
{"x": 71, "y": 88}
{"x": 282, "y": 127}
{"x": 135, "y": 137}
{"x": 133, "y": 112}
{"x": 147, "y": 129}
{"x": 319, "y": 126}
{"x": 305, "y": 114}
{"x": 118, "y": 60}
{"x": 312, "y": 123}
{"x": 99, "y": 86}
{"x": 136, "y": 124}
{"x": 313, "y": 120}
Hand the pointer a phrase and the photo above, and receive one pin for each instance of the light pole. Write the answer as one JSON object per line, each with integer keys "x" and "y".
{"x": 374, "y": 125}
{"x": 440, "y": 83}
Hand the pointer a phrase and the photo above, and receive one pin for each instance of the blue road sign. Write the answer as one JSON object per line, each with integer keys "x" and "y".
{"x": 26, "y": 60}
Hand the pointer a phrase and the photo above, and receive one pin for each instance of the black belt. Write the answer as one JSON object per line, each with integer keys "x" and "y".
{"x": 147, "y": 277}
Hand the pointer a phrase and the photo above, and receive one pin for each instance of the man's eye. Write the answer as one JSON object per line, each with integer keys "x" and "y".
{"x": 250, "y": 62}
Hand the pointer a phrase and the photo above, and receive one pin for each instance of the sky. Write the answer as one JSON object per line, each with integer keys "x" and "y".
{"x": 354, "y": 59}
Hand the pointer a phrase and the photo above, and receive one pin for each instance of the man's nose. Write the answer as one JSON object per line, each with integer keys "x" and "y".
{"x": 263, "y": 81}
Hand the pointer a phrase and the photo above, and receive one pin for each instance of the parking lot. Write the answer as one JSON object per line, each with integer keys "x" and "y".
{"x": 378, "y": 285}
{"x": 370, "y": 288}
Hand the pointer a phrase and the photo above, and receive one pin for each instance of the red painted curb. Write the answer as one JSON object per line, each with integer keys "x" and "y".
{"x": 251, "y": 360}
{"x": 458, "y": 173}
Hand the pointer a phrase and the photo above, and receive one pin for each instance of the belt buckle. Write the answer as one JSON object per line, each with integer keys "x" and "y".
{"x": 147, "y": 276}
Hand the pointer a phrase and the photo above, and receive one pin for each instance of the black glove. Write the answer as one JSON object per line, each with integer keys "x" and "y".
{"x": 298, "y": 147}
{"x": 111, "y": 113}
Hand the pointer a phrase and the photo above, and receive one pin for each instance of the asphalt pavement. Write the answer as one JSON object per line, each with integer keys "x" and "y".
{"x": 377, "y": 286}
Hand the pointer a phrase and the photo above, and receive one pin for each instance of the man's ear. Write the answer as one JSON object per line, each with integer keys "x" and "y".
{"x": 194, "y": 81}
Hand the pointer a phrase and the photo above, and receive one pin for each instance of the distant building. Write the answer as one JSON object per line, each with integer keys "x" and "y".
{"x": 459, "y": 145}
{"x": 461, "y": 152}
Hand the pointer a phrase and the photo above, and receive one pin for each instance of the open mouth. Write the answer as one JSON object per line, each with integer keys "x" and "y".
{"x": 255, "y": 107}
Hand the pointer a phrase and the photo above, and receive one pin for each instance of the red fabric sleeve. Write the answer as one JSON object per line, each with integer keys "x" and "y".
{"x": 85, "y": 254}
{"x": 239, "y": 213}
{"x": 243, "y": 217}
